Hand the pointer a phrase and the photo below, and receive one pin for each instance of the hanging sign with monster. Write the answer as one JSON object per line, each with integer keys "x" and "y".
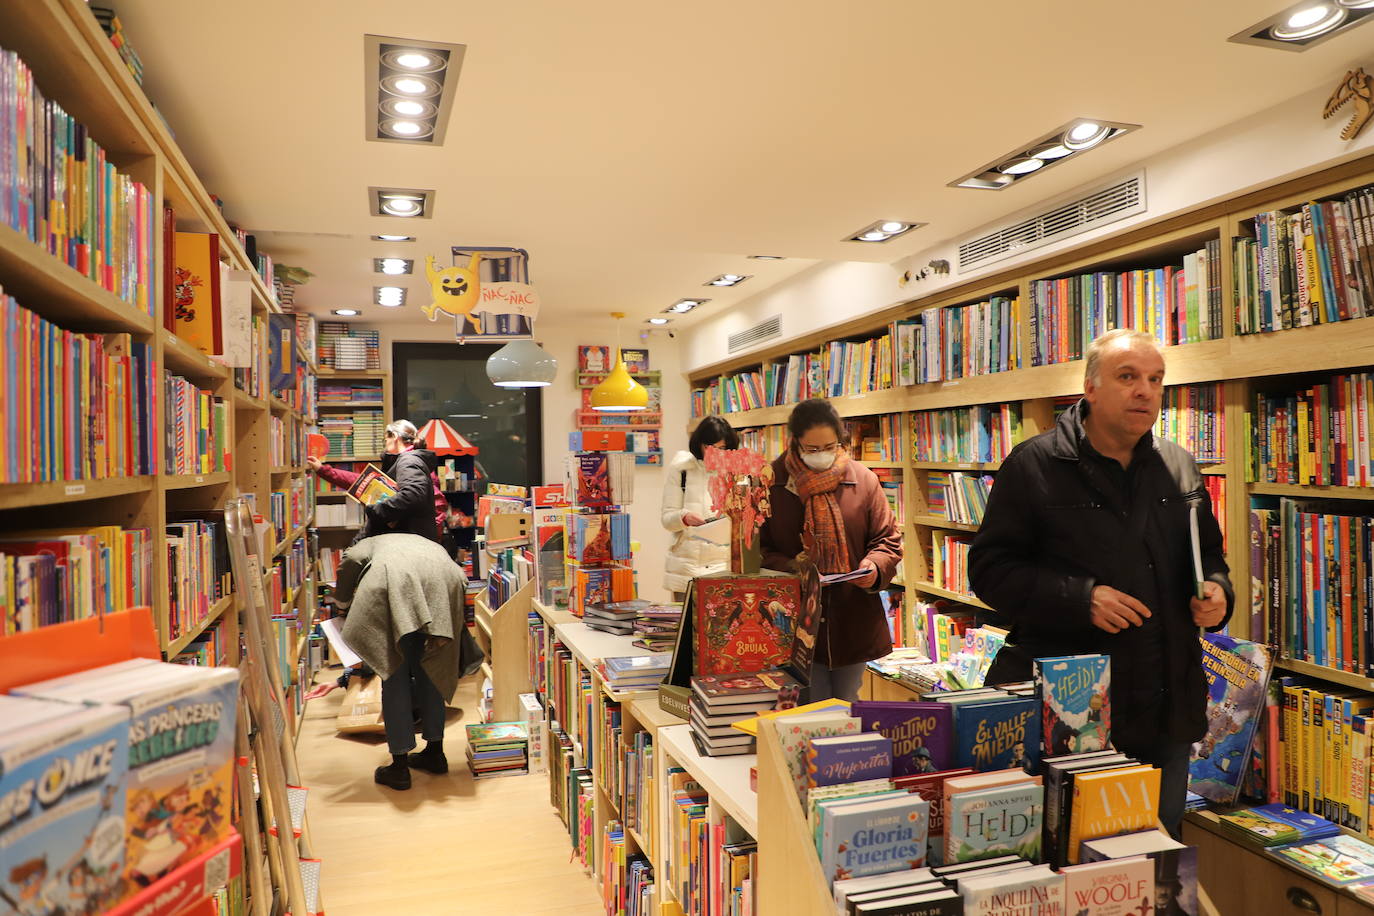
{"x": 487, "y": 292}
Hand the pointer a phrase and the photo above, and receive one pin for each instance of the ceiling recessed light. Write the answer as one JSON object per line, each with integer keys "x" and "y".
{"x": 685, "y": 305}
{"x": 390, "y": 296}
{"x": 1050, "y": 151}
{"x": 1309, "y": 22}
{"x": 883, "y": 230}
{"x": 406, "y": 129}
{"x": 413, "y": 60}
{"x": 1021, "y": 166}
{"x": 393, "y": 238}
{"x": 726, "y": 280}
{"x": 393, "y": 265}
{"x": 659, "y": 320}
{"x": 778, "y": 257}
{"x": 404, "y": 202}
{"x": 345, "y": 313}
{"x": 411, "y": 86}
{"x": 1305, "y": 24}
{"x": 1060, "y": 145}
{"x": 393, "y": 107}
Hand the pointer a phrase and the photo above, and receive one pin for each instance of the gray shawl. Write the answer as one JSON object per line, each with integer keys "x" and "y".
{"x": 395, "y": 584}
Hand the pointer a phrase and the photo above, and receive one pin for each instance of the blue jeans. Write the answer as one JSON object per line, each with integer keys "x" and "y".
{"x": 842, "y": 682}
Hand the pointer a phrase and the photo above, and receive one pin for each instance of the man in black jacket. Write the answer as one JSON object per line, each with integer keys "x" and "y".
{"x": 1085, "y": 547}
{"x": 411, "y": 510}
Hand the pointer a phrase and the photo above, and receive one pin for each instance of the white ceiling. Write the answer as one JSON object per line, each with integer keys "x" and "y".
{"x": 638, "y": 149}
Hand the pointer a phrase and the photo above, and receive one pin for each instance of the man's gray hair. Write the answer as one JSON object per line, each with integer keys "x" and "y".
{"x": 403, "y": 430}
{"x": 1093, "y": 363}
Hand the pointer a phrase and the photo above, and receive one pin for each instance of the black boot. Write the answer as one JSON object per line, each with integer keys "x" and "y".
{"x": 395, "y": 775}
{"x": 431, "y": 759}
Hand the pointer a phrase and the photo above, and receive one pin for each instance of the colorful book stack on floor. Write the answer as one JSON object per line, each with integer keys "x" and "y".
{"x": 718, "y": 701}
{"x": 498, "y": 749}
{"x": 179, "y": 785}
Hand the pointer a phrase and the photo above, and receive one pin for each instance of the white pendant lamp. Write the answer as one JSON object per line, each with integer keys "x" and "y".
{"x": 521, "y": 364}
{"x": 619, "y": 390}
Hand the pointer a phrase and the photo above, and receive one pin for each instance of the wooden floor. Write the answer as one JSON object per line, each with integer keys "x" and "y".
{"x": 449, "y": 845}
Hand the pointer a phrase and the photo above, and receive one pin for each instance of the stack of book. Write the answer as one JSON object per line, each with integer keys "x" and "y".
{"x": 1171, "y": 880}
{"x": 498, "y": 749}
{"x": 987, "y": 815}
{"x": 350, "y": 353}
{"x": 636, "y": 672}
{"x": 1276, "y": 825}
{"x": 1339, "y": 859}
{"x": 1081, "y": 800}
{"x": 616, "y": 617}
{"x": 657, "y": 626}
{"x": 719, "y": 700}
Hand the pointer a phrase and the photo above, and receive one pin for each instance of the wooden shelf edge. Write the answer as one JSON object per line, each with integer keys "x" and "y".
{"x": 191, "y": 481}
{"x": 23, "y": 495}
{"x": 244, "y": 399}
{"x": 1304, "y": 491}
{"x": 45, "y": 284}
{"x": 935, "y": 521}
{"x": 933, "y": 589}
{"x": 217, "y": 610}
{"x": 1348, "y": 678}
{"x": 181, "y": 358}
{"x": 286, "y": 543}
{"x": 352, "y": 405}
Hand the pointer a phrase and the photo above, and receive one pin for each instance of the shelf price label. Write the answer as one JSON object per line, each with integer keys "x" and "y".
{"x": 75, "y": 489}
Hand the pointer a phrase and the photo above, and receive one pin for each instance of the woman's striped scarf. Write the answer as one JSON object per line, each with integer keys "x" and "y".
{"x": 823, "y": 521}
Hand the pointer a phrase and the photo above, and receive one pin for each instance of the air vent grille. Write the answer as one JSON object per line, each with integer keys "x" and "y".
{"x": 1107, "y": 205}
{"x": 764, "y": 330}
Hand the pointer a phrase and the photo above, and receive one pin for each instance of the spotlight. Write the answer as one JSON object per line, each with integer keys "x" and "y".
{"x": 883, "y": 230}
{"x": 345, "y": 313}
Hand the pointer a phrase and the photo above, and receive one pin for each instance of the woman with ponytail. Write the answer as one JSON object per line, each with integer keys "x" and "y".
{"x": 822, "y": 493}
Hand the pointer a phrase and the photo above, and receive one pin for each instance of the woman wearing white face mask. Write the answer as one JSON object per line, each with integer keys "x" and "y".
{"x": 839, "y": 504}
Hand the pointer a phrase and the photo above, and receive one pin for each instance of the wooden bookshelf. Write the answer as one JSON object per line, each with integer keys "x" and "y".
{"x": 75, "y": 65}
{"x": 503, "y": 633}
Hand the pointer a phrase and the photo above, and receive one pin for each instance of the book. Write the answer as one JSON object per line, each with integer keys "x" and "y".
{"x": 883, "y": 835}
{"x": 773, "y": 685}
{"x": 1074, "y": 693}
{"x": 372, "y": 486}
{"x": 594, "y": 359}
{"x": 1027, "y": 890}
{"x": 1339, "y": 859}
{"x": 1113, "y": 887}
{"x": 1276, "y": 825}
{"x": 1058, "y": 776}
{"x": 1237, "y": 672}
{"x": 931, "y": 786}
{"x": 194, "y": 296}
{"x": 1108, "y": 802}
{"x": 1175, "y": 866}
{"x": 996, "y": 733}
{"x": 922, "y": 733}
{"x": 994, "y": 822}
{"x": 180, "y": 779}
{"x": 63, "y": 782}
{"x": 751, "y": 725}
{"x": 796, "y": 732}
{"x": 929, "y": 901}
{"x": 848, "y": 758}
{"x": 743, "y": 624}
{"x": 844, "y": 888}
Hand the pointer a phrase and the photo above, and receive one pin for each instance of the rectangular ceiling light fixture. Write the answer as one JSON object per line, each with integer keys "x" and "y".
{"x": 1064, "y": 142}
{"x": 883, "y": 230}
{"x": 1303, "y": 25}
{"x": 728, "y": 280}
{"x": 407, "y": 203}
{"x": 683, "y": 306}
{"x": 409, "y": 87}
{"x": 393, "y": 266}
{"x": 389, "y": 296}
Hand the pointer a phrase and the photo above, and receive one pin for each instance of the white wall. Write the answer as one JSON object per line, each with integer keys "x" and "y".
{"x": 561, "y": 400}
{"x": 1289, "y": 140}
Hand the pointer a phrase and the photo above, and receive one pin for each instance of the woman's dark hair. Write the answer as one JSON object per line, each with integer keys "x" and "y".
{"x": 812, "y": 413}
{"x": 710, "y": 431}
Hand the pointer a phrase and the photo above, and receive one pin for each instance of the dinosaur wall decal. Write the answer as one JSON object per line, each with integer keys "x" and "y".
{"x": 1357, "y": 87}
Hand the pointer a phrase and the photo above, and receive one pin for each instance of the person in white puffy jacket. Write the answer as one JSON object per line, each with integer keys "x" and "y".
{"x": 700, "y": 548}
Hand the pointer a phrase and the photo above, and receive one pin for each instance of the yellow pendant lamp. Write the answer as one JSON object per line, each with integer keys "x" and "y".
{"x": 619, "y": 390}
